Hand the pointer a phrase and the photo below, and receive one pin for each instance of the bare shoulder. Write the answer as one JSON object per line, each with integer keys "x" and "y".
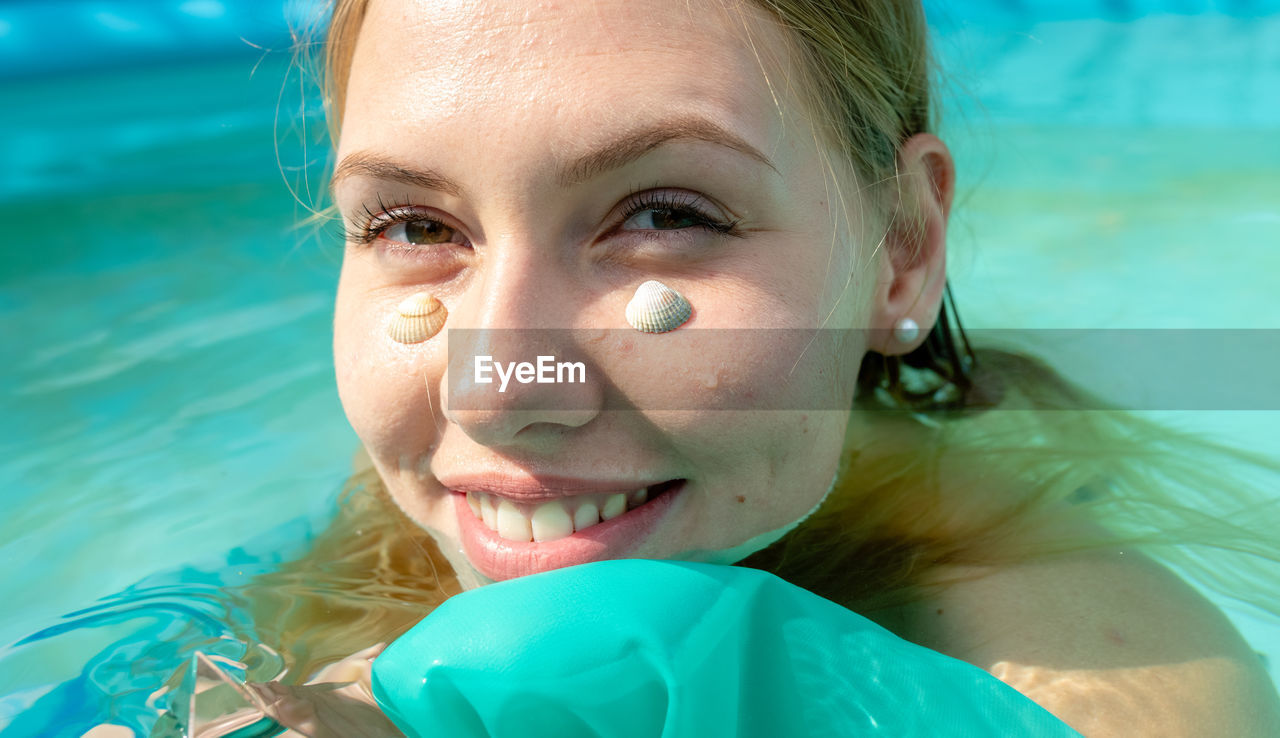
{"x": 1111, "y": 642}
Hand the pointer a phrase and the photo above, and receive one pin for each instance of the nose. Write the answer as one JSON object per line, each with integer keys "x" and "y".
{"x": 517, "y": 373}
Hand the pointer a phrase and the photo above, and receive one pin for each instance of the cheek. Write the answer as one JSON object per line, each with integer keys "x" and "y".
{"x": 781, "y": 459}
{"x": 382, "y": 384}
{"x": 783, "y": 369}
{"x": 773, "y": 404}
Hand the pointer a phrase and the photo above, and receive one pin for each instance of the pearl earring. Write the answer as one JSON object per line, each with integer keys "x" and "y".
{"x": 906, "y": 330}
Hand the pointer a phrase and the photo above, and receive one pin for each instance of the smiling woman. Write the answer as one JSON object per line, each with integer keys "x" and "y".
{"x": 812, "y": 414}
{"x": 543, "y": 228}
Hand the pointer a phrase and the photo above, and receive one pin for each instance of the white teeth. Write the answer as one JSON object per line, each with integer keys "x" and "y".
{"x": 512, "y": 524}
{"x": 488, "y": 513}
{"x": 551, "y": 522}
{"x": 614, "y": 505}
{"x": 586, "y": 516}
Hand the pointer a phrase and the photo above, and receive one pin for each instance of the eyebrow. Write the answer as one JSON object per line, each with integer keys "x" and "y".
{"x": 636, "y": 144}
{"x": 613, "y": 155}
{"x": 368, "y": 164}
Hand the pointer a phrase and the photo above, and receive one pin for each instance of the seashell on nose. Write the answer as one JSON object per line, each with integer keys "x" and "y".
{"x": 418, "y": 318}
{"x": 656, "y": 308}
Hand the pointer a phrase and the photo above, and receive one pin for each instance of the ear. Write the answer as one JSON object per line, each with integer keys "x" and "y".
{"x": 912, "y": 271}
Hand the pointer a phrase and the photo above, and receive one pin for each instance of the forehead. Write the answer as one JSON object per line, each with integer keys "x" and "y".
{"x": 561, "y": 70}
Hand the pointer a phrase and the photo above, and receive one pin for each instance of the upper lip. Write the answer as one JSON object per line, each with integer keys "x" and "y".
{"x": 541, "y": 487}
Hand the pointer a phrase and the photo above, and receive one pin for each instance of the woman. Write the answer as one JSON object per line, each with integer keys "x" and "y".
{"x": 529, "y": 167}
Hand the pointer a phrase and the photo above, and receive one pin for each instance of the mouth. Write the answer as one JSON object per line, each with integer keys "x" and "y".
{"x": 559, "y": 518}
{"x": 505, "y": 538}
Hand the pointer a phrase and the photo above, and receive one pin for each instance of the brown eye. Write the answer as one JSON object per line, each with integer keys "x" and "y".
{"x": 420, "y": 233}
{"x": 666, "y": 219}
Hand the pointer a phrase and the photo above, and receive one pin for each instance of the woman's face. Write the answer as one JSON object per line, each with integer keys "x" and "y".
{"x": 569, "y": 152}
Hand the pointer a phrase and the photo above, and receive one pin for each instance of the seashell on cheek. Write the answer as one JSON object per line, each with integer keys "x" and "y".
{"x": 656, "y": 308}
{"x": 417, "y": 319}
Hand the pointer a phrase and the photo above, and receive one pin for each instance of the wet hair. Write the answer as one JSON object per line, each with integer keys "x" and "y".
{"x": 976, "y": 452}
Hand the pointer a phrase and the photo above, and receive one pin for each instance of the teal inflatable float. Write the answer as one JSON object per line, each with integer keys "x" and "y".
{"x": 667, "y": 649}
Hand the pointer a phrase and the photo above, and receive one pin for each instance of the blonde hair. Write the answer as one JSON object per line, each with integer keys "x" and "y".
{"x": 955, "y": 475}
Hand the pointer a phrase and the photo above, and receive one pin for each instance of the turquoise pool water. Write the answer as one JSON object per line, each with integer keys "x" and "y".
{"x": 171, "y": 423}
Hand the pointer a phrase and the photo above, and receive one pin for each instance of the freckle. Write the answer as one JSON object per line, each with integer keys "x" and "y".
{"x": 1115, "y": 637}
{"x": 740, "y": 498}
{"x": 939, "y": 610}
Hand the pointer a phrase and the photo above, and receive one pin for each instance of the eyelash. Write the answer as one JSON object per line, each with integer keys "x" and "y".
{"x": 679, "y": 203}
{"x": 369, "y": 226}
